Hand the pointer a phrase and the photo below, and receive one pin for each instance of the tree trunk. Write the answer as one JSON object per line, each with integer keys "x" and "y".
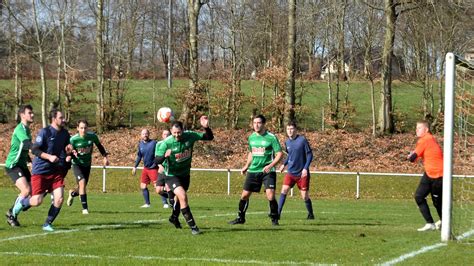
{"x": 290, "y": 64}
{"x": 18, "y": 85}
{"x": 66, "y": 88}
{"x": 58, "y": 77}
{"x": 100, "y": 66}
{"x": 142, "y": 39}
{"x": 170, "y": 44}
{"x": 212, "y": 46}
{"x": 16, "y": 63}
{"x": 194, "y": 7}
{"x": 386, "y": 123}
{"x": 44, "y": 88}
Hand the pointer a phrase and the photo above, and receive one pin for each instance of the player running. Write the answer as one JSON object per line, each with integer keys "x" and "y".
{"x": 17, "y": 159}
{"x": 178, "y": 151}
{"x": 82, "y": 144}
{"x": 49, "y": 165}
{"x": 298, "y": 161}
{"x": 264, "y": 153}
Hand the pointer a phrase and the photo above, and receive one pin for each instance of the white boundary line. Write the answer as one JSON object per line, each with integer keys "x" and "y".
{"x": 190, "y": 259}
{"x": 388, "y": 263}
{"x": 424, "y": 249}
{"x": 133, "y": 222}
{"x": 119, "y": 225}
{"x": 203, "y": 260}
{"x": 35, "y": 235}
{"x": 77, "y": 230}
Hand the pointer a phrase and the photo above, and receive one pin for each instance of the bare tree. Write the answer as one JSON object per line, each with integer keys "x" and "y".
{"x": 195, "y": 94}
{"x": 16, "y": 62}
{"x": 392, "y": 9}
{"x": 37, "y": 36}
{"x": 290, "y": 65}
{"x": 170, "y": 44}
{"x": 99, "y": 48}
{"x": 367, "y": 33}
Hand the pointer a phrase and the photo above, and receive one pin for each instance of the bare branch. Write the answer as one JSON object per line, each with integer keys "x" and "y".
{"x": 372, "y": 6}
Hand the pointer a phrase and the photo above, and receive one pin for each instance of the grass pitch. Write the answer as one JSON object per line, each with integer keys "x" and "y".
{"x": 117, "y": 231}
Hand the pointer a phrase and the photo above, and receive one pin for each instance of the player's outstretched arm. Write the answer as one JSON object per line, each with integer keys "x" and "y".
{"x": 412, "y": 156}
{"x": 160, "y": 159}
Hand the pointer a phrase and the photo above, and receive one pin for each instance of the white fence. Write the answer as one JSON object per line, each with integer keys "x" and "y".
{"x": 357, "y": 175}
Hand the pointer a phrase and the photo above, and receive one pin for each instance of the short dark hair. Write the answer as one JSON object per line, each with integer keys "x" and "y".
{"x": 82, "y": 121}
{"x": 264, "y": 120}
{"x": 23, "y": 107}
{"x": 425, "y": 123}
{"x": 177, "y": 124}
{"x": 53, "y": 113}
{"x": 292, "y": 123}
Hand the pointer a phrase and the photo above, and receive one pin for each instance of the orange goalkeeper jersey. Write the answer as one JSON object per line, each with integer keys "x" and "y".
{"x": 429, "y": 150}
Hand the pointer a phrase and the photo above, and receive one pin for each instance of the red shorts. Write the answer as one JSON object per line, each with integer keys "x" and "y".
{"x": 302, "y": 183}
{"x": 149, "y": 175}
{"x": 42, "y": 183}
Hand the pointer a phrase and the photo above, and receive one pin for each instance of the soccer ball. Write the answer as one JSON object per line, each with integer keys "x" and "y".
{"x": 165, "y": 115}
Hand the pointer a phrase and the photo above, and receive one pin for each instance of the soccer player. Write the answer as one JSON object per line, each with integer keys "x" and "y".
{"x": 264, "y": 153}
{"x": 17, "y": 159}
{"x": 161, "y": 186}
{"x": 178, "y": 151}
{"x": 49, "y": 165}
{"x": 82, "y": 144}
{"x": 298, "y": 160}
{"x": 428, "y": 150}
{"x": 146, "y": 150}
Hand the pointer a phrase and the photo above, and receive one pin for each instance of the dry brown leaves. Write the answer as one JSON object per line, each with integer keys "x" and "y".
{"x": 333, "y": 150}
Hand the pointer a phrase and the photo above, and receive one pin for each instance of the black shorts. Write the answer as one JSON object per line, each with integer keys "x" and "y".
{"x": 254, "y": 181}
{"x": 178, "y": 181}
{"x": 18, "y": 172}
{"x": 81, "y": 172}
{"x": 161, "y": 180}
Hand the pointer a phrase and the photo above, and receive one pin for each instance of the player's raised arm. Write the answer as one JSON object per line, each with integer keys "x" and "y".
{"x": 208, "y": 135}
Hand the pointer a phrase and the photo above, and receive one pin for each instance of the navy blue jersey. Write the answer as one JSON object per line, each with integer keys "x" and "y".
{"x": 53, "y": 142}
{"x": 146, "y": 150}
{"x": 299, "y": 155}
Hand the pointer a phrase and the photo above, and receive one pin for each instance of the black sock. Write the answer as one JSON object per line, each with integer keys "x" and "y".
{"x": 52, "y": 214}
{"x": 84, "y": 201}
{"x": 243, "y": 206}
{"x": 274, "y": 209}
{"x": 188, "y": 216}
{"x": 309, "y": 206}
{"x": 176, "y": 209}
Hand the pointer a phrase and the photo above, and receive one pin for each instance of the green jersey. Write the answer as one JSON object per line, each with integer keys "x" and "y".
{"x": 179, "y": 162}
{"x": 263, "y": 148}
{"x": 83, "y": 146}
{"x": 157, "y": 147}
{"x": 20, "y": 144}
